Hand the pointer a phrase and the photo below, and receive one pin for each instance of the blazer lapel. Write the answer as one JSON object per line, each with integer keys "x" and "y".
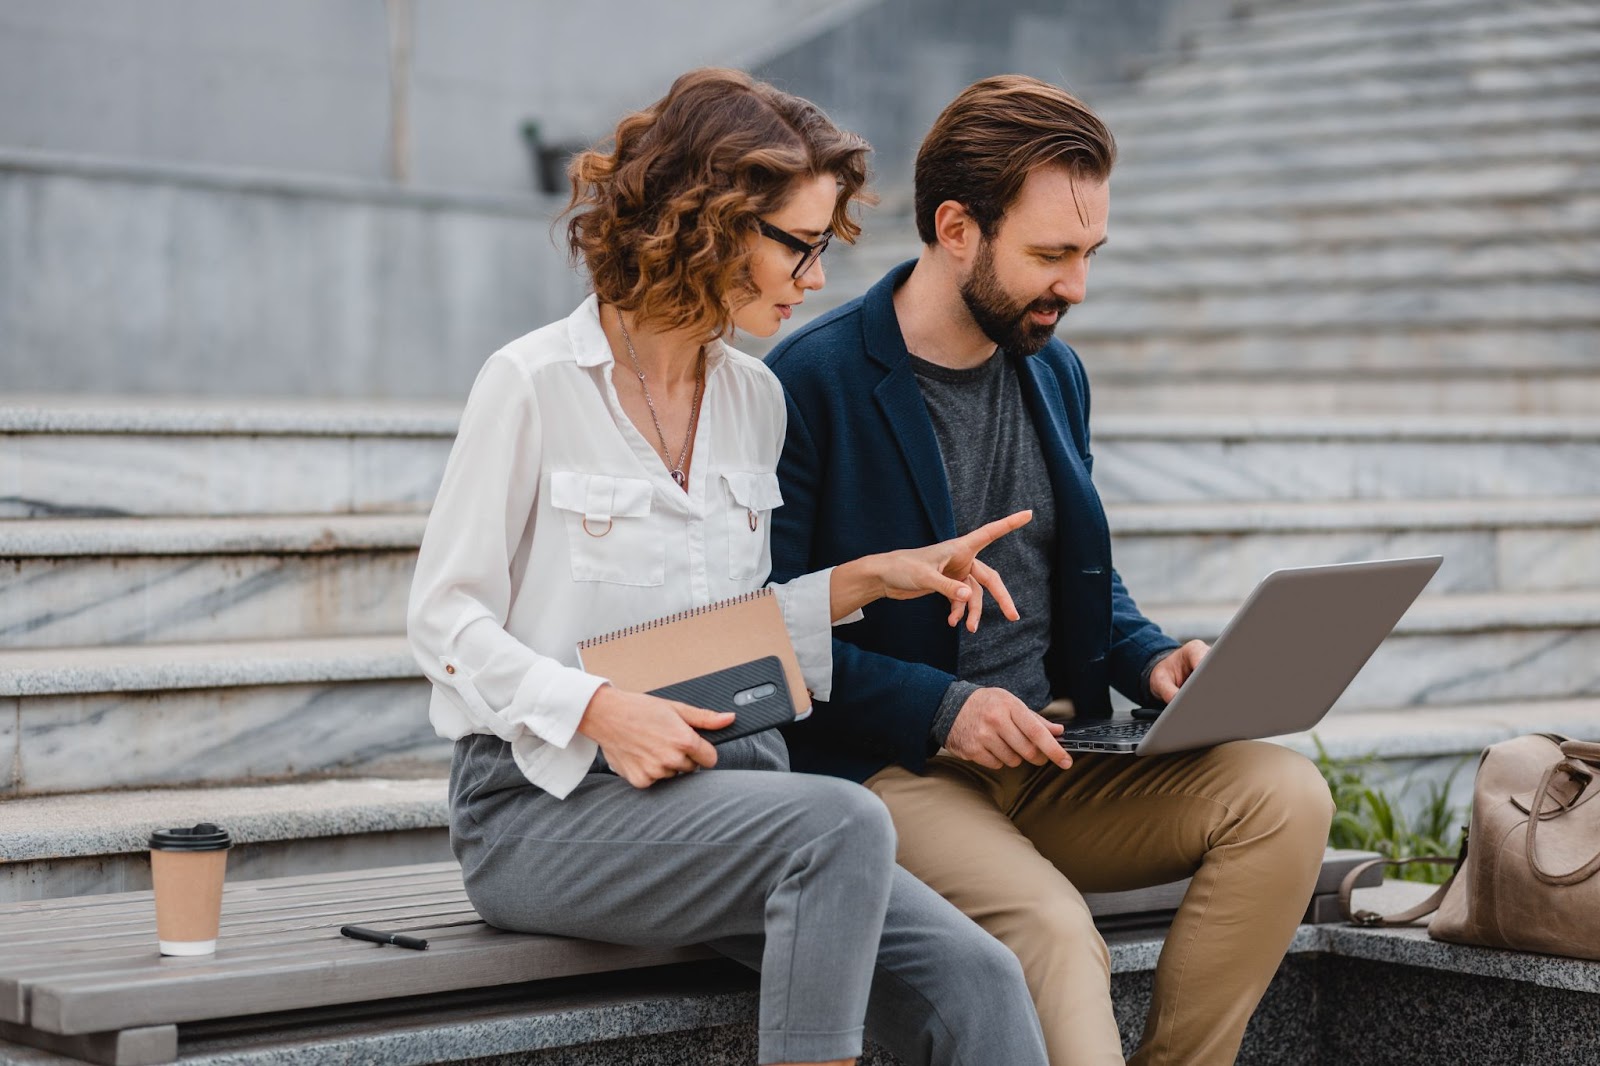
{"x": 1085, "y": 537}
{"x": 900, "y": 398}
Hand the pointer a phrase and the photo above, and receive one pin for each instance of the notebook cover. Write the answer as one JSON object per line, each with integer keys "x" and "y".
{"x": 766, "y": 703}
{"x": 694, "y": 643}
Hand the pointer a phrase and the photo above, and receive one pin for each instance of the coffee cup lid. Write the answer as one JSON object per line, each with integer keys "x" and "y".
{"x": 203, "y": 837}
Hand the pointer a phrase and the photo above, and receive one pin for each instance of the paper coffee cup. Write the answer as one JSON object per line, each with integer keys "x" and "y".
{"x": 187, "y": 867}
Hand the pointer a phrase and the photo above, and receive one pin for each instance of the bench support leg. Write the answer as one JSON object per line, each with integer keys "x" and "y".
{"x": 150, "y": 1045}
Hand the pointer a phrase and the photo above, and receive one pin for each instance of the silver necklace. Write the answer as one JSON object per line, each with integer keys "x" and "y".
{"x": 678, "y": 476}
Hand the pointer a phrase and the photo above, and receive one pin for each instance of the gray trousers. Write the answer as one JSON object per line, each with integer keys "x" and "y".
{"x": 789, "y": 874}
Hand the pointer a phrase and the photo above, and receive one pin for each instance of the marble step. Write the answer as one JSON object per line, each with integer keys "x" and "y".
{"x": 95, "y": 842}
{"x": 1491, "y": 392}
{"x": 1327, "y": 188}
{"x": 1280, "y": 161}
{"x": 1399, "y": 58}
{"x": 1270, "y": 34}
{"x": 1449, "y": 650}
{"x": 1354, "y": 355}
{"x": 1410, "y": 753}
{"x": 1301, "y": 14}
{"x": 1177, "y": 459}
{"x": 1444, "y": 120}
{"x": 1573, "y": 300}
{"x": 1131, "y": 112}
{"x": 76, "y": 719}
{"x": 79, "y": 582}
{"x": 1175, "y": 553}
{"x": 1288, "y": 272}
{"x": 65, "y": 457}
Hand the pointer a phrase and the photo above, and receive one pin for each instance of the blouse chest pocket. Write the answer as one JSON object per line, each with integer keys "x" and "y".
{"x": 609, "y": 533}
{"x": 752, "y": 495}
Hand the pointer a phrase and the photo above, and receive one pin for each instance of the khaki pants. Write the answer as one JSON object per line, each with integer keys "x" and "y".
{"x": 1013, "y": 848}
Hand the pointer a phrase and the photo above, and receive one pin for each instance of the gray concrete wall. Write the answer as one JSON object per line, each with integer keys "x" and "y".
{"x": 304, "y": 85}
{"x": 117, "y": 279}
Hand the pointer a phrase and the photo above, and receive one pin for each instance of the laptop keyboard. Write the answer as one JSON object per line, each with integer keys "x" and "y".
{"x": 1110, "y": 731}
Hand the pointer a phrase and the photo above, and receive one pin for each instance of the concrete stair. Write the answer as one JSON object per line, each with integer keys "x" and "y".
{"x": 96, "y": 842}
{"x": 77, "y": 582}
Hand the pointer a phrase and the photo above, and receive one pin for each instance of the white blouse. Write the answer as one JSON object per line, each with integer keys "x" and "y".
{"x": 557, "y": 521}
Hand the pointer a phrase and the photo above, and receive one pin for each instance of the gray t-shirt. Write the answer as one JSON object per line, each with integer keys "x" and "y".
{"x": 995, "y": 466}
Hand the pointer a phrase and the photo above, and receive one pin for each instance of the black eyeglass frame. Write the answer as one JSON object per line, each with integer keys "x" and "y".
{"x": 809, "y": 252}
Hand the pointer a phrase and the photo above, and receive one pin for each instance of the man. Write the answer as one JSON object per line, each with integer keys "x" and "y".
{"x": 938, "y": 401}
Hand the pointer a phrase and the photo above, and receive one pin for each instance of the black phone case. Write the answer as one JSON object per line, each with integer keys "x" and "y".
{"x": 715, "y": 692}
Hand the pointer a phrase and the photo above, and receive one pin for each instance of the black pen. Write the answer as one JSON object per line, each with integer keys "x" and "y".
{"x": 399, "y": 940}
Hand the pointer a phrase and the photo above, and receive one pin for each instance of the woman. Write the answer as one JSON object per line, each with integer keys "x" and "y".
{"x": 617, "y": 466}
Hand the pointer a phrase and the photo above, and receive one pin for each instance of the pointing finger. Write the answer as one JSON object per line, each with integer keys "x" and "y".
{"x": 986, "y": 535}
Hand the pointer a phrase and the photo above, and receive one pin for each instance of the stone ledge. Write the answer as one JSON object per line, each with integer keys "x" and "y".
{"x": 1411, "y": 946}
{"x": 1425, "y": 732}
{"x": 119, "y": 823}
{"x": 229, "y": 664}
{"x": 1453, "y": 614}
{"x": 1295, "y": 516}
{"x": 265, "y": 534}
{"x": 178, "y": 416}
{"x": 190, "y": 416}
{"x": 275, "y": 183}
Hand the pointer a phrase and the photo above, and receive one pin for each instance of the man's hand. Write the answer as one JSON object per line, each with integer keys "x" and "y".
{"x": 996, "y": 729}
{"x": 1175, "y": 669}
{"x": 646, "y": 738}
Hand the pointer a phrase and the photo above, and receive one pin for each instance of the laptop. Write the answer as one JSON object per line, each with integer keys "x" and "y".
{"x": 1279, "y": 665}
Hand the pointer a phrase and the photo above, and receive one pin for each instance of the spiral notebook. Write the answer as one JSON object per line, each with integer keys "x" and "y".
{"x": 718, "y": 653}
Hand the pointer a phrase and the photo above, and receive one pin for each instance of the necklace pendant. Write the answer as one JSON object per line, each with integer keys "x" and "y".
{"x": 680, "y": 479}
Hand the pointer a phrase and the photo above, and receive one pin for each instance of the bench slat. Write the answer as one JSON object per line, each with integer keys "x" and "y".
{"x": 18, "y": 978}
{"x": 354, "y": 972}
{"x": 288, "y": 911}
{"x": 242, "y": 894}
{"x": 130, "y": 952}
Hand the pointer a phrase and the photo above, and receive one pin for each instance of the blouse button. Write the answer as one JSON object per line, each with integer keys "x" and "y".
{"x": 449, "y": 669}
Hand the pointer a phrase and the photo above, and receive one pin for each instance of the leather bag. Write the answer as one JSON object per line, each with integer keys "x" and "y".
{"x": 1528, "y": 875}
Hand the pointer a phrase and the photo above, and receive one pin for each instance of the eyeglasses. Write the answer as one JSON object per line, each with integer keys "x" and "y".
{"x": 809, "y": 253}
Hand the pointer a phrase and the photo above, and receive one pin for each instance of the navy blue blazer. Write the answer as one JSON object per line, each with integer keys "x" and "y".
{"x": 861, "y": 473}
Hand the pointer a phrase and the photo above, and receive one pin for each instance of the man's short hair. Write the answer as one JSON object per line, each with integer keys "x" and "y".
{"x": 985, "y": 143}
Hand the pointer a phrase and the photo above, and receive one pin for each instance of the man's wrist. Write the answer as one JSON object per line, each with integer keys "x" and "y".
{"x": 1146, "y": 697}
{"x": 944, "y": 719}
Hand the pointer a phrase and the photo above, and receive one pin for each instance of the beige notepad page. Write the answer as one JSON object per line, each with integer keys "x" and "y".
{"x": 697, "y": 642}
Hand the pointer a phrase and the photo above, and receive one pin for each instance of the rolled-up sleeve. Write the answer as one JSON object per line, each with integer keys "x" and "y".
{"x": 462, "y": 591}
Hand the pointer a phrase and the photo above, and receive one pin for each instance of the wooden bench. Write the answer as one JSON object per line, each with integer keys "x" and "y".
{"x": 81, "y": 976}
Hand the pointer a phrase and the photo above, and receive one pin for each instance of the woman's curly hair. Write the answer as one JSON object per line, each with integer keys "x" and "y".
{"x": 661, "y": 214}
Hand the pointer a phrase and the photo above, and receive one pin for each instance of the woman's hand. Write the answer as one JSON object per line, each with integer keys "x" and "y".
{"x": 646, "y": 738}
{"x": 952, "y": 569}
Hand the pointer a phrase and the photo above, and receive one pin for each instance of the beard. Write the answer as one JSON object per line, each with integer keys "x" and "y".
{"x": 1003, "y": 319}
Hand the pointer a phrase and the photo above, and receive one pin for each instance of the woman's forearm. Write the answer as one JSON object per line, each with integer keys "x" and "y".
{"x": 853, "y": 585}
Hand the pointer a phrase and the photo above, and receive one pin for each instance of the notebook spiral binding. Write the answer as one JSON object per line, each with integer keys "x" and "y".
{"x": 656, "y": 623}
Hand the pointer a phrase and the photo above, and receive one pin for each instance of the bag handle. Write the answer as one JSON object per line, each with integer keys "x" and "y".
{"x": 1372, "y": 919}
{"x": 1575, "y": 765}
{"x": 1582, "y": 750}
